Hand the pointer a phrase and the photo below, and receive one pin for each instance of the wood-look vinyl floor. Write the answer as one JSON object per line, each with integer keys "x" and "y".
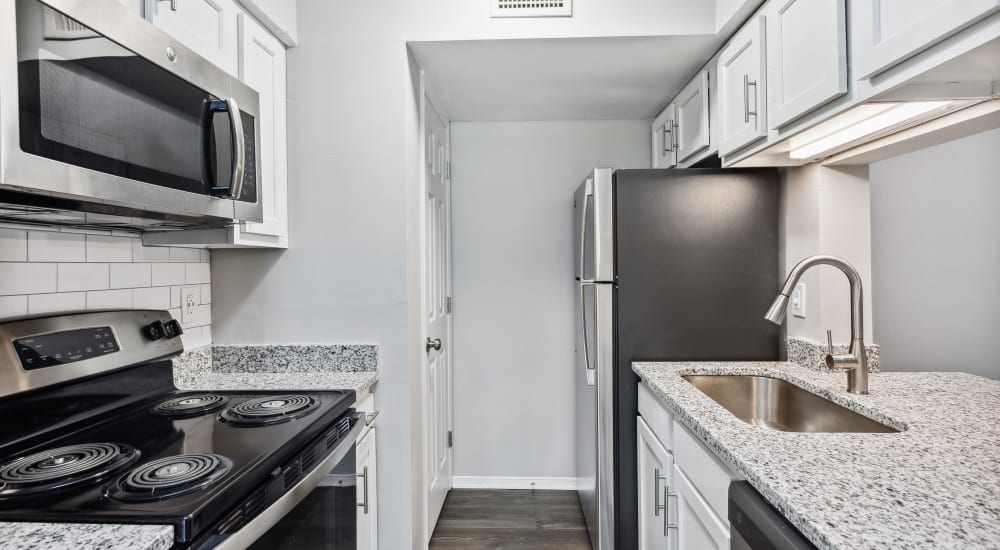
{"x": 474, "y": 519}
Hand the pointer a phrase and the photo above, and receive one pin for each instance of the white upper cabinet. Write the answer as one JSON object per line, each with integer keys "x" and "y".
{"x": 664, "y": 148}
{"x": 206, "y": 26}
{"x": 742, "y": 117}
{"x": 886, "y": 32}
{"x": 806, "y": 57}
{"x": 262, "y": 67}
{"x": 692, "y": 118}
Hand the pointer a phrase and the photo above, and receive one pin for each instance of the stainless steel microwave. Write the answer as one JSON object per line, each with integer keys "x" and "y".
{"x": 106, "y": 116}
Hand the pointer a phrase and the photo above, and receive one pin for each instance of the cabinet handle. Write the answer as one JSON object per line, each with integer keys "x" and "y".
{"x": 666, "y": 510}
{"x": 364, "y": 504}
{"x": 674, "y": 140}
{"x": 173, "y": 4}
{"x": 656, "y": 493}
{"x": 747, "y": 113}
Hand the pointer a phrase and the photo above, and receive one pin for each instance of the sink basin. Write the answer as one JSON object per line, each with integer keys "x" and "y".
{"x": 782, "y": 406}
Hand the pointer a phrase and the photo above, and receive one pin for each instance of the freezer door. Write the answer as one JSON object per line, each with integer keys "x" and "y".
{"x": 593, "y": 218}
{"x": 595, "y": 410}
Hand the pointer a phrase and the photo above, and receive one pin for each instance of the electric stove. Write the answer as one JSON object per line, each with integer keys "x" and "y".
{"x": 113, "y": 441}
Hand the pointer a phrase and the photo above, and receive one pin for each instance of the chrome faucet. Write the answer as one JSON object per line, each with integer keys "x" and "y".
{"x": 856, "y": 360}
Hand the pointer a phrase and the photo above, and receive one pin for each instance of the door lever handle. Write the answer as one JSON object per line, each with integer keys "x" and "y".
{"x": 434, "y": 344}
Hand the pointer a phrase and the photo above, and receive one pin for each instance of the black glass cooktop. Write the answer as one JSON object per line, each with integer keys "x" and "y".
{"x": 138, "y": 460}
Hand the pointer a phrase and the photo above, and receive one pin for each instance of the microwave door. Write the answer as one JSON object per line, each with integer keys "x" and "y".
{"x": 100, "y": 106}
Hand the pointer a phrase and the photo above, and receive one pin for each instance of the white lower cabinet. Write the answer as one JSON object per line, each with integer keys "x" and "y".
{"x": 698, "y": 527}
{"x": 367, "y": 493}
{"x": 683, "y": 487}
{"x": 656, "y": 490}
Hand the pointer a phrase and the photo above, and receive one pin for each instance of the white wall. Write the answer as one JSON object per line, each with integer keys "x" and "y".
{"x": 936, "y": 253}
{"x": 47, "y": 270}
{"x": 826, "y": 211}
{"x": 512, "y": 192}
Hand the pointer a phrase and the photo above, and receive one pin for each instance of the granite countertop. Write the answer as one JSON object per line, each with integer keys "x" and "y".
{"x": 933, "y": 485}
{"x": 360, "y": 382}
{"x": 78, "y": 536}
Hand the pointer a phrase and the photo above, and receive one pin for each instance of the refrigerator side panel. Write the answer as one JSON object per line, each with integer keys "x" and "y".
{"x": 696, "y": 265}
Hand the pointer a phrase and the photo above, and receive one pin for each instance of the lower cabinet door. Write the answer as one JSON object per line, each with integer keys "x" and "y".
{"x": 367, "y": 493}
{"x": 698, "y": 527}
{"x": 655, "y": 465}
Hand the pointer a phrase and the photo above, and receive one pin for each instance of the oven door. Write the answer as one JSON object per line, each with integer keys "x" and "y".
{"x": 100, "y": 108}
{"x": 318, "y": 513}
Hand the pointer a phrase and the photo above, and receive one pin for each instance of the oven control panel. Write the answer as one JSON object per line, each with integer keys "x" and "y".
{"x": 69, "y": 346}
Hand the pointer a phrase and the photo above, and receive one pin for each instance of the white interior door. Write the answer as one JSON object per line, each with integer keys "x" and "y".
{"x": 437, "y": 285}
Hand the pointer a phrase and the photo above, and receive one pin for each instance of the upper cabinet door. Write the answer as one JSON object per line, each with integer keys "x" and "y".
{"x": 887, "y": 32}
{"x": 206, "y": 26}
{"x": 806, "y": 57}
{"x": 664, "y": 138}
{"x": 692, "y": 118}
{"x": 742, "y": 116}
{"x": 262, "y": 67}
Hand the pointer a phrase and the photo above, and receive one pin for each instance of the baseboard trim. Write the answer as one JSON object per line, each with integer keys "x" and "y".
{"x": 540, "y": 483}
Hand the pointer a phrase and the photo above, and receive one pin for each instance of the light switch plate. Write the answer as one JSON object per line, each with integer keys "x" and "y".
{"x": 799, "y": 301}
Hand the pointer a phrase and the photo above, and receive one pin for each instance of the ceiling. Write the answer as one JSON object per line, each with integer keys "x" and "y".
{"x": 560, "y": 79}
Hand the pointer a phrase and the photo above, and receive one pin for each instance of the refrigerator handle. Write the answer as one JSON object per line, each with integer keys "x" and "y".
{"x": 583, "y": 312}
{"x": 588, "y": 195}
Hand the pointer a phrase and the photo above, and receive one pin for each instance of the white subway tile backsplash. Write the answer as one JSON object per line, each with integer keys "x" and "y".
{"x": 49, "y": 246}
{"x": 142, "y": 253}
{"x": 198, "y": 273}
{"x": 184, "y": 255}
{"x": 51, "y": 303}
{"x": 13, "y": 245}
{"x": 168, "y": 274}
{"x": 110, "y": 299}
{"x": 157, "y": 297}
{"x": 13, "y": 306}
{"x": 131, "y": 275}
{"x": 103, "y": 248}
{"x": 74, "y": 277}
{"x": 26, "y": 278}
{"x": 57, "y": 269}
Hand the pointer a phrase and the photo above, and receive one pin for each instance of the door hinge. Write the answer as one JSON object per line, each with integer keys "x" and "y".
{"x": 447, "y": 305}
{"x": 447, "y": 170}
{"x": 451, "y": 439}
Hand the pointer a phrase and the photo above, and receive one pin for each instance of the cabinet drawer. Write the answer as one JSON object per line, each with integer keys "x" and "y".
{"x": 709, "y": 475}
{"x": 656, "y": 416}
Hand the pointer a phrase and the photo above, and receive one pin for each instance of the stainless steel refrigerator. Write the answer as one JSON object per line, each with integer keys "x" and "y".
{"x": 671, "y": 265}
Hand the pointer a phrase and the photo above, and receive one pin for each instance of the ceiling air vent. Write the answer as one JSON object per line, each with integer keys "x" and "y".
{"x": 531, "y": 8}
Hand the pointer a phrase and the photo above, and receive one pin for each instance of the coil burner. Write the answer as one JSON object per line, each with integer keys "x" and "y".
{"x": 190, "y": 405}
{"x": 170, "y": 477}
{"x": 265, "y": 411}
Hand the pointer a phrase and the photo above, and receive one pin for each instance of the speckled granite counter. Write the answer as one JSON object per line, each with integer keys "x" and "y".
{"x": 934, "y": 485}
{"x": 341, "y": 368}
{"x": 70, "y": 536}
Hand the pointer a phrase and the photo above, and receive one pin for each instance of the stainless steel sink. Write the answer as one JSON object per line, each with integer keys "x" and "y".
{"x": 780, "y": 405}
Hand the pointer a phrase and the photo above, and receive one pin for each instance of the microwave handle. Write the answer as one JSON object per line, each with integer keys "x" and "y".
{"x": 235, "y": 188}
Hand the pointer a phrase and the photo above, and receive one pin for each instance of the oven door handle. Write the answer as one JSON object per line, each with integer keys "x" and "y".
{"x": 259, "y": 525}
{"x": 238, "y": 143}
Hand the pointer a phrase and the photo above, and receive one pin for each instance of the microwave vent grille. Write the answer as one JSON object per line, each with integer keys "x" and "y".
{"x": 59, "y": 27}
{"x": 531, "y": 8}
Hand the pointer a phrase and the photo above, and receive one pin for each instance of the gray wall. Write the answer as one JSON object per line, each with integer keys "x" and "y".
{"x": 512, "y": 192}
{"x": 936, "y": 257}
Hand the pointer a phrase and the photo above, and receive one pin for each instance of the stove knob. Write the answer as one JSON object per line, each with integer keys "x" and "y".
{"x": 173, "y": 328}
{"x": 155, "y": 330}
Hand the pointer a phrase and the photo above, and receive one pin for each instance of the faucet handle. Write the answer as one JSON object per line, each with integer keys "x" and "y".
{"x": 829, "y": 342}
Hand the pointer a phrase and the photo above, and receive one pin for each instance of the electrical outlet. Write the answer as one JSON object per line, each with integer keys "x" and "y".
{"x": 190, "y": 296}
{"x": 799, "y": 301}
